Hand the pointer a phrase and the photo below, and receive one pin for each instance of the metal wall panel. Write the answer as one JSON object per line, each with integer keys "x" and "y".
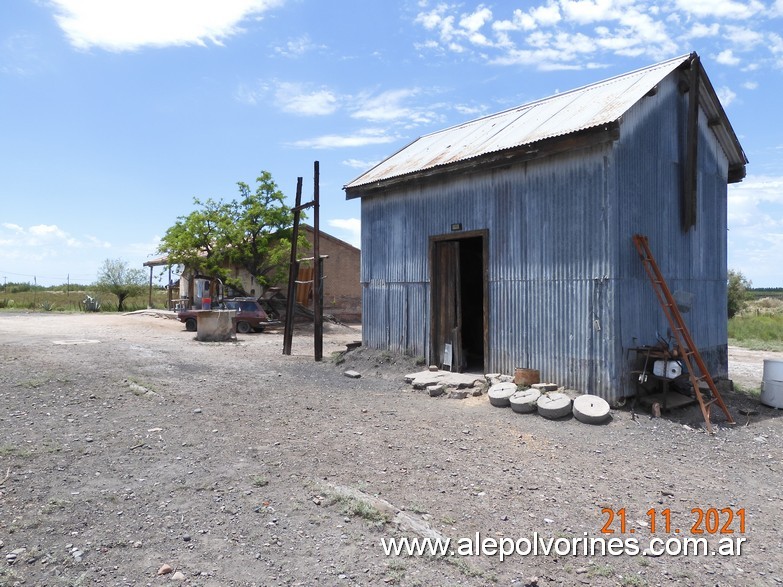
{"x": 694, "y": 261}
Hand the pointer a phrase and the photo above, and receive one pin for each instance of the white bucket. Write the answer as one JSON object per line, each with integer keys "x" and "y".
{"x": 772, "y": 384}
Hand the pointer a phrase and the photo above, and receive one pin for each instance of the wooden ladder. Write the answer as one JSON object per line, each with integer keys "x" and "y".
{"x": 686, "y": 350}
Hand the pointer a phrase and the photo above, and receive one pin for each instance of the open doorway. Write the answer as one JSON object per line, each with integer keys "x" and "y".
{"x": 458, "y": 300}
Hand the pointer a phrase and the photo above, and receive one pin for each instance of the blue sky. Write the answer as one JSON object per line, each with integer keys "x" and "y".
{"x": 115, "y": 114}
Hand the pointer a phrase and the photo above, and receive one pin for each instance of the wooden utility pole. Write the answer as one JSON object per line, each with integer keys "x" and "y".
{"x": 318, "y": 287}
{"x": 293, "y": 272}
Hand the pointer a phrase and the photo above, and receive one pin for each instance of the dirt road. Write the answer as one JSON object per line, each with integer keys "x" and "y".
{"x": 130, "y": 446}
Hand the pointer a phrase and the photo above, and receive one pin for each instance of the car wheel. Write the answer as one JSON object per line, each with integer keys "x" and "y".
{"x": 190, "y": 325}
{"x": 243, "y": 327}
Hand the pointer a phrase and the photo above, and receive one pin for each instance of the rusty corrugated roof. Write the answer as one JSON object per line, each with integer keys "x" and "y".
{"x": 584, "y": 108}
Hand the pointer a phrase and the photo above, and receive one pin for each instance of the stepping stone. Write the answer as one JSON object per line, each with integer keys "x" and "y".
{"x": 554, "y": 405}
{"x": 500, "y": 393}
{"x": 591, "y": 409}
{"x": 436, "y": 389}
{"x": 524, "y": 401}
{"x": 542, "y": 387}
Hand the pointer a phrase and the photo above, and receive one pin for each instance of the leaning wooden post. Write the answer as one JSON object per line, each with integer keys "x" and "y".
{"x": 288, "y": 333}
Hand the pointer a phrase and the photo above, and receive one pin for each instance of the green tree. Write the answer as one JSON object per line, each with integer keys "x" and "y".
{"x": 738, "y": 292}
{"x": 115, "y": 277}
{"x": 252, "y": 232}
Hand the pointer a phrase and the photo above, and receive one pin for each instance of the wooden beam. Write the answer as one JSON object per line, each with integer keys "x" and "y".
{"x": 691, "y": 169}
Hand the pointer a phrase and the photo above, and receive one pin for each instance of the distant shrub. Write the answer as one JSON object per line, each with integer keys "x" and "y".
{"x": 738, "y": 294}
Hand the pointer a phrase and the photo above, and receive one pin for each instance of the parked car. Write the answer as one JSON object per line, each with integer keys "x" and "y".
{"x": 249, "y": 315}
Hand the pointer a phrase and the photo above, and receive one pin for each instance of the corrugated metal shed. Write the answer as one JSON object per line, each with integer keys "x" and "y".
{"x": 541, "y": 202}
{"x": 585, "y": 108}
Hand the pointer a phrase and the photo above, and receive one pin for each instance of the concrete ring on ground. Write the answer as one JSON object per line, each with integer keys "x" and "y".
{"x": 499, "y": 394}
{"x": 554, "y": 405}
{"x": 591, "y": 409}
{"x": 524, "y": 400}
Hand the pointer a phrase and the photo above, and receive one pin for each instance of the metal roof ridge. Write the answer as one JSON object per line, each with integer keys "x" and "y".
{"x": 529, "y": 105}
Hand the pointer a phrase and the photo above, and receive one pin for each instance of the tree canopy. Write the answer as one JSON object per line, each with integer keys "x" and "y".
{"x": 115, "y": 277}
{"x": 252, "y": 232}
{"x": 738, "y": 293}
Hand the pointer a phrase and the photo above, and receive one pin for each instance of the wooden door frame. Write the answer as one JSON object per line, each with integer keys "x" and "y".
{"x": 457, "y": 236}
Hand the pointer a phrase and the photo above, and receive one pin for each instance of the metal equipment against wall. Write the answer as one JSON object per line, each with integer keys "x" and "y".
{"x": 686, "y": 349}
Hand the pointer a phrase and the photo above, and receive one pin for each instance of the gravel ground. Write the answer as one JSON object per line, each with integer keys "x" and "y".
{"x": 128, "y": 446}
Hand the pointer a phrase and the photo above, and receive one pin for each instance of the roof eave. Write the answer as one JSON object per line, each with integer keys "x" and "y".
{"x": 538, "y": 150}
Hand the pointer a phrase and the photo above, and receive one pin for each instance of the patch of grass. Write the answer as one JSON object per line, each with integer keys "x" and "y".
{"x": 139, "y": 388}
{"x": 32, "y": 383}
{"x": 753, "y": 392}
{"x": 14, "y": 451}
{"x": 395, "y": 573}
{"x": 53, "y": 505}
{"x": 61, "y": 298}
{"x": 467, "y": 569}
{"x": 338, "y": 357}
{"x": 360, "y": 509}
{"x": 9, "y": 577}
{"x": 757, "y": 331}
{"x": 448, "y": 521}
{"x": 633, "y": 581}
{"x": 416, "y": 508}
{"x": 259, "y": 481}
{"x": 600, "y": 571}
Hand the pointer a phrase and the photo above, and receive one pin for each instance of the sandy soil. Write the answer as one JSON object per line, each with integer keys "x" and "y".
{"x": 129, "y": 446}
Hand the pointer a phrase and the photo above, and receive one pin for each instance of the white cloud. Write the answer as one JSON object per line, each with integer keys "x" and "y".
{"x": 351, "y": 226}
{"x": 750, "y": 85}
{"x": 474, "y": 21}
{"x": 359, "y": 164}
{"x": 727, "y": 57}
{"x": 389, "y": 106}
{"x": 250, "y": 95}
{"x": 721, "y": 8}
{"x": 28, "y": 245}
{"x": 295, "y": 99}
{"x": 743, "y": 37}
{"x": 296, "y": 47}
{"x": 576, "y": 34}
{"x": 128, "y": 25}
{"x": 21, "y": 55}
{"x": 359, "y": 139}
{"x": 700, "y": 30}
{"x": 589, "y": 11}
{"x": 755, "y": 215}
{"x": 725, "y": 95}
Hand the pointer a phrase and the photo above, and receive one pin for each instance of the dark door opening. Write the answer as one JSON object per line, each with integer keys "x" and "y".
{"x": 458, "y": 301}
